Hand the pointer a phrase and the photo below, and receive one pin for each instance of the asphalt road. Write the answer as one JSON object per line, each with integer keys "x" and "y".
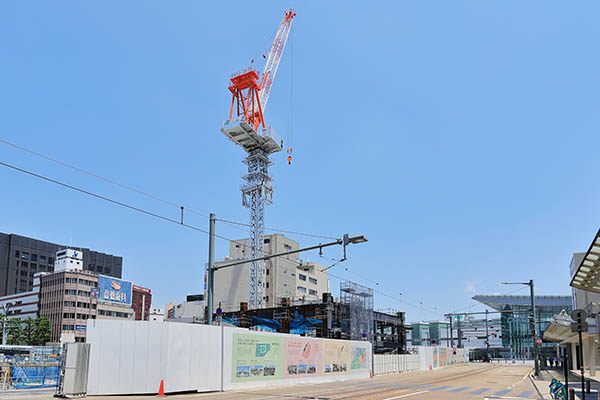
{"x": 463, "y": 382}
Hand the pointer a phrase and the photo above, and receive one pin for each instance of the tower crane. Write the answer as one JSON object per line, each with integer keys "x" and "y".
{"x": 246, "y": 128}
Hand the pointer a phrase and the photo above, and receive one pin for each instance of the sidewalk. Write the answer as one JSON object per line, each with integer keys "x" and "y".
{"x": 542, "y": 383}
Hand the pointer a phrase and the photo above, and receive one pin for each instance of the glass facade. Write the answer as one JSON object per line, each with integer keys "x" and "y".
{"x": 516, "y": 319}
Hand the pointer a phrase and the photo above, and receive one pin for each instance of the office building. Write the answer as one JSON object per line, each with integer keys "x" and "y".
{"x": 22, "y": 257}
{"x": 285, "y": 277}
{"x": 515, "y": 320}
{"x": 71, "y": 297}
{"x": 142, "y": 299}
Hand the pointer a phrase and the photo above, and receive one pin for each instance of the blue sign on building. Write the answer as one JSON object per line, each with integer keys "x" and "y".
{"x": 114, "y": 290}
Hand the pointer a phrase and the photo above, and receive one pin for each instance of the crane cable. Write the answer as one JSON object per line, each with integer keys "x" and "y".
{"x": 290, "y": 138}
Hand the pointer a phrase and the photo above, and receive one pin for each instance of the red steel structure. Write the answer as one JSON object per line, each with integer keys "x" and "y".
{"x": 251, "y": 91}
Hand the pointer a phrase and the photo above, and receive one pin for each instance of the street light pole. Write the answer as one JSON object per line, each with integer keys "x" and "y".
{"x": 211, "y": 270}
{"x": 533, "y": 322}
{"x": 5, "y": 308}
{"x": 345, "y": 241}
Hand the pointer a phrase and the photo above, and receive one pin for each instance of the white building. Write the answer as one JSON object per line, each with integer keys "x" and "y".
{"x": 284, "y": 277}
{"x": 192, "y": 310}
{"x": 157, "y": 314}
{"x": 68, "y": 260}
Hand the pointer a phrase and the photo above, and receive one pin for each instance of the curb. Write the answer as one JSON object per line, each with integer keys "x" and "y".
{"x": 535, "y": 385}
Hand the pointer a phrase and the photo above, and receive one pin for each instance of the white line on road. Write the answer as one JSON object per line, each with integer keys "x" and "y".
{"x": 406, "y": 395}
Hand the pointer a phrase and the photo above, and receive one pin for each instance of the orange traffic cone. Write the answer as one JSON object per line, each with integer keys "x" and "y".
{"x": 161, "y": 389}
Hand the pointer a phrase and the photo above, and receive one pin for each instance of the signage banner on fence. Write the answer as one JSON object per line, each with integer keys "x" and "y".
{"x": 256, "y": 357}
{"x": 302, "y": 357}
{"x": 260, "y": 357}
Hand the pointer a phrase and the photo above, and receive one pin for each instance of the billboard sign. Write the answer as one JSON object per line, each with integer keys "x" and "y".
{"x": 114, "y": 290}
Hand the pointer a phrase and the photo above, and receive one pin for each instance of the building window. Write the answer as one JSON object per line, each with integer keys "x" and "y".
{"x": 69, "y": 315}
{"x": 312, "y": 280}
{"x": 70, "y": 292}
{"x": 287, "y": 246}
{"x": 50, "y": 260}
{"x": 267, "y": 285}
{"x": 17, "y": 254}
{"x": 70, "y": 304}
{"x": 301, "y": 289}
{"x": 106, "y": 270}
{"x": 267, "y": 298}
{"x": 312, "y": 292}
{"x": 33, "y": 266}
{"x": 302, "y": 277}
{"x": 43, "y": 258}
{"x": 25, "y": 255}
{"x": 267, "y": 271}
{"x": 68, "y": 327}
{"x": 267, "y": 240}
{"x": 33, "y": 257}
{"x": 24, "y": 264}
{"x": 23, "y": 273}
{"x": 17, "y": 263}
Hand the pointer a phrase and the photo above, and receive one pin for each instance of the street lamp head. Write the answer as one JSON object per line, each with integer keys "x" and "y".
{"x": 358, "y": 239}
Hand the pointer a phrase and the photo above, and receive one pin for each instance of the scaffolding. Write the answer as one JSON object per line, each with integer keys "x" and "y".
{"x": 357, "y": 311}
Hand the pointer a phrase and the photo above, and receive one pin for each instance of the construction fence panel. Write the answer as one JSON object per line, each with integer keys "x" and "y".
{"x": 424, "y": 358}
{"x": 395, "y": 363}
{"x": 133, "y": 357}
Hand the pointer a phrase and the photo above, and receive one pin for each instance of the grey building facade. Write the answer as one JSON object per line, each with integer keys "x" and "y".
{"x": 21, "y": 257}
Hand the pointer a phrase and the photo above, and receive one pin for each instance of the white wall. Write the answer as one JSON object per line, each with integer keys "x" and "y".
{"x": 131, "y": 357}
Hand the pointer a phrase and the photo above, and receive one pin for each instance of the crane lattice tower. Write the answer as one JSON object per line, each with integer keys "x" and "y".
{"x": 246, "y": 128}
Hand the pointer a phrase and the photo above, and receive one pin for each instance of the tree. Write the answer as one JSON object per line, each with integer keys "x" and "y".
{"x": 31, "y": 332}
{"x": 15, "y": 332}
{"x": 42, "y": 331}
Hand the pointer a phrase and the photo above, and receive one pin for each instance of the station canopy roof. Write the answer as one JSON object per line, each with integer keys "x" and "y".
{"x": 499, "y": 302}
{"x": 587, "y": 276}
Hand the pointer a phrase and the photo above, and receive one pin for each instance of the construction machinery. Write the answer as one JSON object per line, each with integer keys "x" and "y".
{"x": 246, "y": 127}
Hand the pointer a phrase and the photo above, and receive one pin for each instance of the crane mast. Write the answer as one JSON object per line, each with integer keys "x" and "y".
{"x": 246, "y": 127}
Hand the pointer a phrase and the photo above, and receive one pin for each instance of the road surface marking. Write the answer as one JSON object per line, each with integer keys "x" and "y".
{"x": 406, "y": 395}
{"x": 502, "y": 392}
{"x": 479, "y": 391}
{"x": 439, "y": 388}
{"x": 460, "y": 389}
{"x": 526, "y": 393}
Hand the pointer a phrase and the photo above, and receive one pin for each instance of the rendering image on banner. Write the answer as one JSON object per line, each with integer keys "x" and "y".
{"x": 256, "y": 357}
{"x": 336, "y": 357}
{"x": 114, "y": 290}
{"x": 359, "y": 357}
{"x": 302, "y": 356}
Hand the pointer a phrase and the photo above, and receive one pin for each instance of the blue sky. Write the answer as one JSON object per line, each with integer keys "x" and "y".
{"x": 458, "y": 136}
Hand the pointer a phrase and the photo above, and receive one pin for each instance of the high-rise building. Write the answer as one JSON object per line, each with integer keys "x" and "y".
{"x": 285, "y": 277}
{"x": 21, "y": 257}
{"x": 142, "y": 299}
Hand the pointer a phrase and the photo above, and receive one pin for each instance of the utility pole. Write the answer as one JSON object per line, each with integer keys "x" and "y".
{"x": 532, "y": 322}
{"x": 536, "y": 360}
{"x": 487, "y": 335}
{"x": 211, "y": 271}
{"x": 451, "y": 334}
{"x": 5, "y": 308}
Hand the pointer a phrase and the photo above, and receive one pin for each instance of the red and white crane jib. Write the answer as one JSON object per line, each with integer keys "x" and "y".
{"x": 274, "y": 57}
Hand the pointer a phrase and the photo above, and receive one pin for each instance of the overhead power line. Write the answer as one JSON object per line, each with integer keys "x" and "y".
{"x": 146, "y": 194}
{"x": 278, "y": 230}
{"x": 111, "y": 181}
{"x": 122, "y": 204}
